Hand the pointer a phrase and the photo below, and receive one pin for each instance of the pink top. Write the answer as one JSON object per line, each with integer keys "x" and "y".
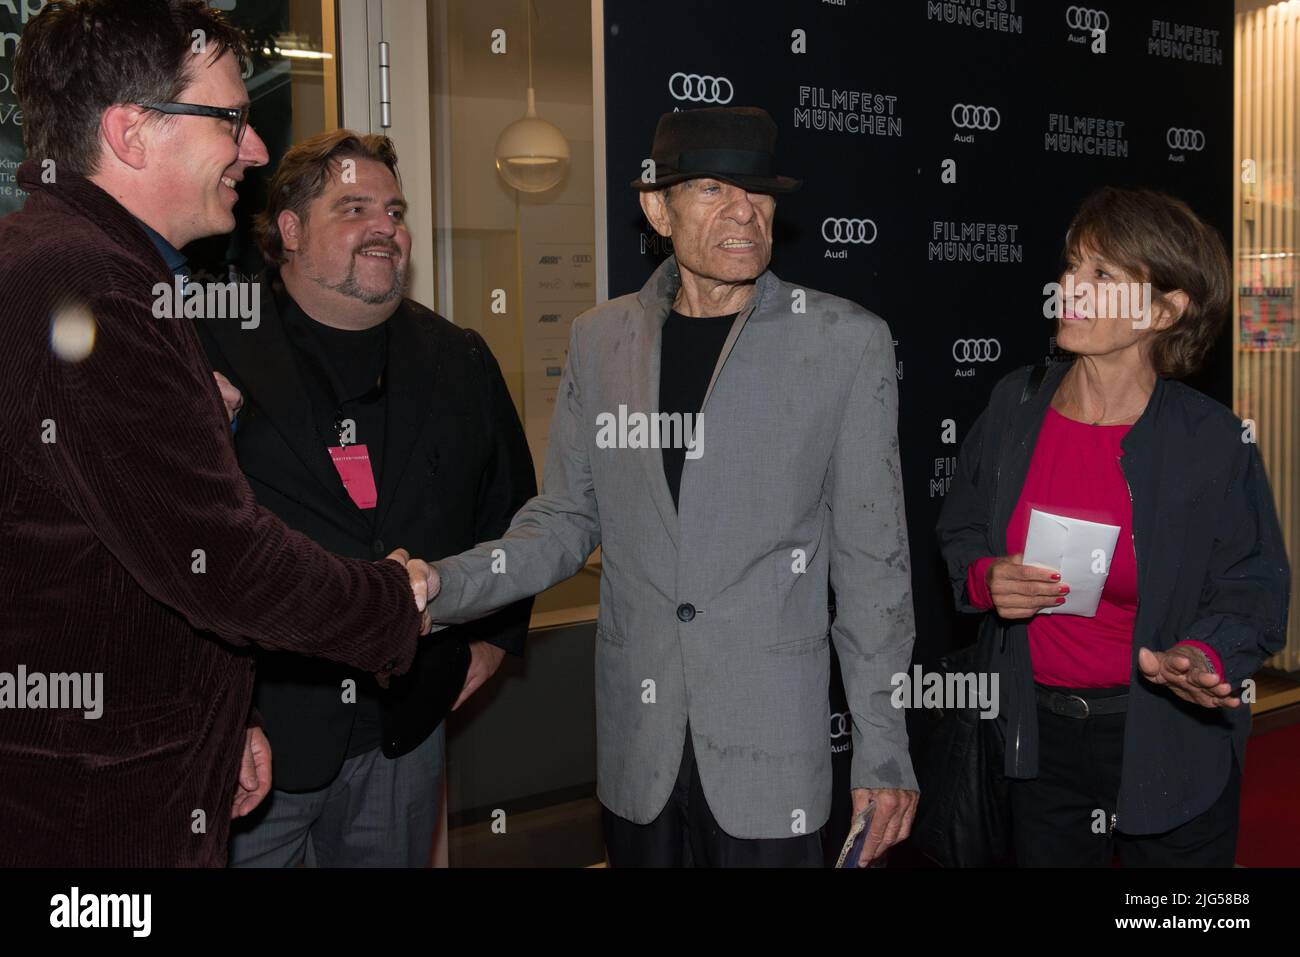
{"x": 1075, "y": 472}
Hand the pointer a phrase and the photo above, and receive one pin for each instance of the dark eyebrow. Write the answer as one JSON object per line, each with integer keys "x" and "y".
{"x": 354, "y": 199}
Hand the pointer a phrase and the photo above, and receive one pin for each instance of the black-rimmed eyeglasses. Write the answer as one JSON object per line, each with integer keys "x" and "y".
{"x": 235, "y": 115}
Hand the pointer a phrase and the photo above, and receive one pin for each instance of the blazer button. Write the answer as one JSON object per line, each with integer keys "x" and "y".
{"x": 377, "y": 546}
{"x": 685, "y": 611}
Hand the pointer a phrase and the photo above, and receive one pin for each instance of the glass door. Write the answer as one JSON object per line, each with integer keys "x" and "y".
{"x": 511, "y": 255}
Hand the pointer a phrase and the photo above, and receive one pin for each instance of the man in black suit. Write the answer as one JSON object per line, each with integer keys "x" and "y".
{"x": 368, "y": 423}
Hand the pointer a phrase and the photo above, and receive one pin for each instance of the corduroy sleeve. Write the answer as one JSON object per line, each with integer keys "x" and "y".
{"x": 142, "y": 453}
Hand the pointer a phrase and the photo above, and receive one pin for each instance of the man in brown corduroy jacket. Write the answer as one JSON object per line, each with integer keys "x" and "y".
{"x": 134, "y": 561}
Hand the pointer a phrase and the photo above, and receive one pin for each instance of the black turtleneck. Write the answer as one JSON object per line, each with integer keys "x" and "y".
{"x": 690, "y": 351}
{"x": 342, "y": 371}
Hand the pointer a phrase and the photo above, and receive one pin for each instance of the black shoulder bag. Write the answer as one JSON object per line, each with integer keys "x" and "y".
{"x": 964, "y": 815}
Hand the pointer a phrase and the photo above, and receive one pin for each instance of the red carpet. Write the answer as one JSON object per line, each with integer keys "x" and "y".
{"x": 1269, "y": 834}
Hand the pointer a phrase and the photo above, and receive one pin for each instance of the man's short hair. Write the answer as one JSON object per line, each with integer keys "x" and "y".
{"x": 302, "y": 174}
{"x": 76, "y": 59}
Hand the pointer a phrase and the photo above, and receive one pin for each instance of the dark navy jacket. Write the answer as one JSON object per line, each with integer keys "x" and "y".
{"x": 1210, "y": 565}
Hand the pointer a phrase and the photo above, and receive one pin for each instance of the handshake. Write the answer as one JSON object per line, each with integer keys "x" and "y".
{"x": 424, "y": 584}
{"x": 424, "y": 580}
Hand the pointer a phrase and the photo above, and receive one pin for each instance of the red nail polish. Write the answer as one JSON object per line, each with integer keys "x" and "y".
{"x": 1056, "y": 578}
{"x": 1060, "y": 601}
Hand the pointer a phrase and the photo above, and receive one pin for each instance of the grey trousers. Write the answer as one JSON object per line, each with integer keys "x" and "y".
{"x": 376, "y": 813}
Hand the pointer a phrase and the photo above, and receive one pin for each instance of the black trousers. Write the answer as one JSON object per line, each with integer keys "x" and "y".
{"x": 685, "y": 834}
{"x": 1056, "y": 816}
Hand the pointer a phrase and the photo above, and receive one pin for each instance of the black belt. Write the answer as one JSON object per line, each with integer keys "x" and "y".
{"x": 1078, "y": 706}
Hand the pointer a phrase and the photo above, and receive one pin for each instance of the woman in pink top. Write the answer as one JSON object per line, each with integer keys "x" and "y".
{"x": 1123, "y": 726}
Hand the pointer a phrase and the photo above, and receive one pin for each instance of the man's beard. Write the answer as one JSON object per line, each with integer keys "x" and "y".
{"x": 353, "y": 290}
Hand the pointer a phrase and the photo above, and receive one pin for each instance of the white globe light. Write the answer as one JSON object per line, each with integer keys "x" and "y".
{"x": 532, "y": 155}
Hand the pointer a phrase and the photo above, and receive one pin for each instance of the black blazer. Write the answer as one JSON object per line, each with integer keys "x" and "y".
{"x": 456, "y": 468}
{"x": 1211, "y": 567}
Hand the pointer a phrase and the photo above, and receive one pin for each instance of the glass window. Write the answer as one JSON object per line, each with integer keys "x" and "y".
{"x": 1266, "y": 351}
{"x": 517, "y": 265}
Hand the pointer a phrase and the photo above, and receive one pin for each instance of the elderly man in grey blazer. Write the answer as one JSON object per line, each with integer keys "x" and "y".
{"x": 719, "y": 543}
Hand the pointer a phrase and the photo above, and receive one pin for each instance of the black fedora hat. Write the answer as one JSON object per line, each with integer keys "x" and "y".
{"x": 730, "y": 143}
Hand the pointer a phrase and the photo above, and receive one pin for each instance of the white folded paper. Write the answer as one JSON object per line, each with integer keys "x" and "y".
{"x": 1081, "y": 551}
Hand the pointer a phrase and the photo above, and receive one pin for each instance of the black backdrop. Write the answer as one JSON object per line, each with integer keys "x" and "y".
{"x": 932, "y": 120}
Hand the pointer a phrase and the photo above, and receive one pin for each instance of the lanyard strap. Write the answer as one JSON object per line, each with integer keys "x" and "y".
{"x": 324, "y": 377}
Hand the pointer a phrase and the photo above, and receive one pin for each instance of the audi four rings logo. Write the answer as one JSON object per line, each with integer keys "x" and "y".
{"x": 700, "y": 89}
{"x": 977, "y": 350}
{"x": 840, "y": 726}
{"x": 975, "y": 117}
{"x": 849, "y": 231}
{"x": 1179, "y": 139}
{"x": 1081, "y": 18}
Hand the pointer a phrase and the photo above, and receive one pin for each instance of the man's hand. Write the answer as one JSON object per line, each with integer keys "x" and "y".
{"x": 484, "y": 660}
{"x": 233, "y": 398}
{"x": 1187, "y": 672}
{"x": 254, "y": 773}
{"x": 1021, "y": 591}
{"x": 424, "y": 585}
{"x": 892, "y": 821}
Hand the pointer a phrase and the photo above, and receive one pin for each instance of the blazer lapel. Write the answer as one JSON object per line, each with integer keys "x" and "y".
{"x": 761, "y": 287}
{"x": 412, "y": 373}
{"x": 645, "y": 353}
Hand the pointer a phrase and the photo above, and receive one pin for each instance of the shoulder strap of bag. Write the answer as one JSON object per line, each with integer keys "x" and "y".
{"x": 1036, "y": 376}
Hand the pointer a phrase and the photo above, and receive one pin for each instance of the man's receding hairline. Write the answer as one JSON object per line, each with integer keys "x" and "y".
{"x": 189, "y": 69}
{"x": 334, "y": 165}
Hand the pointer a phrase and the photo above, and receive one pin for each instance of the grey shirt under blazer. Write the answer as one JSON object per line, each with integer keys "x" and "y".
{"x": 718, "y": 615}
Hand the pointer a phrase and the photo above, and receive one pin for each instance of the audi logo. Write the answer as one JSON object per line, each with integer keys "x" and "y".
{"x": 841, "y": 726}
{"x": 861, "y": 231}
{"x": 970, "y": 117}
{"x": 976, "y": 350}
{"x": 1081, "y": 18}
{"x": 1180, "y": 139}
{"x": 700, "y": 89}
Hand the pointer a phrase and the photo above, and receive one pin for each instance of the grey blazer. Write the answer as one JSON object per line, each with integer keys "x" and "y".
{"x": 718, "y": 615}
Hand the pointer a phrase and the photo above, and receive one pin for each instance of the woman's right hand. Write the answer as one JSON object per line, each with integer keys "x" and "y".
{"x": 1021, "y": 591}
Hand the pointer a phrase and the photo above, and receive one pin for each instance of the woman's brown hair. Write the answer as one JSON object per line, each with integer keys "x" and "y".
{"x": 1160, "y": 240}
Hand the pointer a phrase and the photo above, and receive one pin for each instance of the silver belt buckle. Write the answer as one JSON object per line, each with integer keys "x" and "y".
{"x": 1061, "y": 705}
